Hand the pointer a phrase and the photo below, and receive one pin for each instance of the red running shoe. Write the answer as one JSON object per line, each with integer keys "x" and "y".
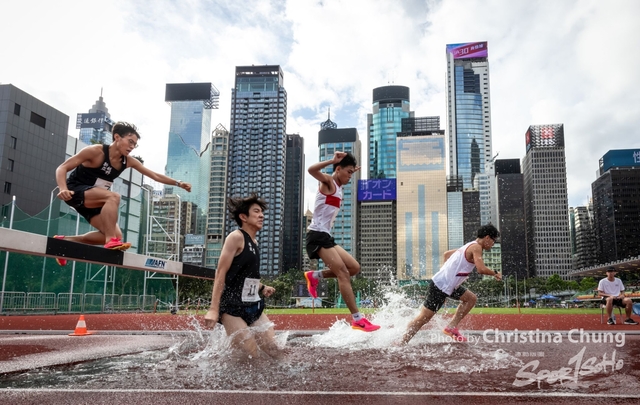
{"x": 117, "y": 244}
{"x": 60, "y": 260}
{"x": 455, "y": 334}
{"x": 312, "y": 284}
{"x": 364, "y": 325}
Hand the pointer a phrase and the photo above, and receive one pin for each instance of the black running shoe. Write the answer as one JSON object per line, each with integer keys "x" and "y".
{"x": 630, "y": 321}
{"x": 611, "y": 321}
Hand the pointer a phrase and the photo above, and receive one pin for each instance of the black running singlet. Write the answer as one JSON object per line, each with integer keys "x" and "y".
{"x": 102, "y": 176}
{"x": 243, "y": 278}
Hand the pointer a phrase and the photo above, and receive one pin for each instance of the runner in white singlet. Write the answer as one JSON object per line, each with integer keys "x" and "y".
{"x": 320, "y": 244}
{"x": 446, "y": 283}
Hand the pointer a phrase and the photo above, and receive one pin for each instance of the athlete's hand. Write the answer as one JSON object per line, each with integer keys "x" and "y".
{"x": 65, "y": 195}
{"x": 338, "y": 156}
{"x": 211, "y": 318}
{"x": 268, "y": 291}
{"x": 185, "y": 186}
{"x": 498, "y": 276}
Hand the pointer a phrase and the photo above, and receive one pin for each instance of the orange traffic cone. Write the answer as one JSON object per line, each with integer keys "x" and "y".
{"x": 81, "y": 328}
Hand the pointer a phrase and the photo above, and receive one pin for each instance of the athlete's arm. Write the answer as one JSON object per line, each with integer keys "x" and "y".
{"x": 448, "y": 254}
{"x": 476, "y": 253}
{"x": 233, "y": 245}
{"x": 135, "y": 164}
{"x": 87, "y": 155}
{"x": 316, "y": 170}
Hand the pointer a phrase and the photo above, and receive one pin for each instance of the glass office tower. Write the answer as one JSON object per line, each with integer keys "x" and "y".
{"x": 257, "y": 145}
{"x": 390, "y": 105}
{"x": 422, "y": 205}
{"x": 294, "y": 200}
{"x": 188, "y": 157}
{"x": 469, "y": 111}
{"x": 95, "y": 126}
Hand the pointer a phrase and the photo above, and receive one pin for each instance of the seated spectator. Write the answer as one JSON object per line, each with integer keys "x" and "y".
{"x": 611, "y": 290}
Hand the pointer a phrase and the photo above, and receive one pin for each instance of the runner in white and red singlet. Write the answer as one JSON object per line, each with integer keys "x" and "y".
{"x": 458, "y": 264}
{"x": 320, "y": 244}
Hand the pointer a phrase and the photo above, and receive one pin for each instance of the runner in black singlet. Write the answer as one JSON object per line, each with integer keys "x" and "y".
{"x": 88, "y": 188}
{"x": 235, "y": 299}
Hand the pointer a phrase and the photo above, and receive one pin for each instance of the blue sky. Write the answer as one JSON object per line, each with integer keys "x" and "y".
{"x": 570, "y": 62}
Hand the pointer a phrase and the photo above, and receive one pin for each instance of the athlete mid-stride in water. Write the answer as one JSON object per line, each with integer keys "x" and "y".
{"x": 458, "y": 264}
{"x": 88, "y": 188}
{"x": 320, "y": 244}
{"x": 235, "y": 299}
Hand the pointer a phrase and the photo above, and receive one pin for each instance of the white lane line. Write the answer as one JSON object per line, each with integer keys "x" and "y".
{"x": 304, "y": 393}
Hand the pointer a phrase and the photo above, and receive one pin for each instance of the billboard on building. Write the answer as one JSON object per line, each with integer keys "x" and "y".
{"x": 468, "y": 50}
{"x": 620, "y": 158}
{"x": 544, "y": 136}
{"x": 190, "y": 239}
{"x": 377, "y": 190}
{"x": 93, "y": 120}
{"x": 187, "y": 91}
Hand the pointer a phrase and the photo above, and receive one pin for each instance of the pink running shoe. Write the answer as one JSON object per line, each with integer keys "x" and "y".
{"x": 312, "y": 284}
{"x": 455, "y": 334}
{"x": 117, "y": 244}
{"x": 364, "y": 325}
{"x": 60, "y": 260}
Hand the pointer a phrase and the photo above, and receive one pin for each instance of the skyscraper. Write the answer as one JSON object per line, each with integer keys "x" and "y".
{"x": 217, "y": 196}
{"x": 546, "y": 203}
{"x": 330, "y": 140}
{"x": 257, "y": 145}
{"x": 422, "y": 202}
{"x": 95, "y": 126}
{"x": 34, "y": 136}
{"x": 583, "y": 236}
{"x": 390, "y": 105}
{"x": 616, "y": 197}
{"x": 510, "y": 219}
{"x": 189, "y": 137}
{"x": 294, "y": 198}
{"x": 469, "y": 111}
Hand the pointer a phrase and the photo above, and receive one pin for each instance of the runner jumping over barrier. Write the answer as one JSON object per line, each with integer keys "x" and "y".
{"x": 88, "y": 188}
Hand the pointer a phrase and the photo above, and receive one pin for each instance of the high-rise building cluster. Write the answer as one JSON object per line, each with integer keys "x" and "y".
{"x": 428, "y": 187}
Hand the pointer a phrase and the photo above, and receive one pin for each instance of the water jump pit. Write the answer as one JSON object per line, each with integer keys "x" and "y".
{"x": 167, "y": 359}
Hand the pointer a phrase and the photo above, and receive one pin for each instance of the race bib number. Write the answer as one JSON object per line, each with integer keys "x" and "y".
{"x": 103, "y": 184}
{"x": 250, "y": 290}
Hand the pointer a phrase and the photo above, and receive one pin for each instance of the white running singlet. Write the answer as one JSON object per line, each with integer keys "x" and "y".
{"x": 326, "y": 210}
{"x": 454, "y": 271}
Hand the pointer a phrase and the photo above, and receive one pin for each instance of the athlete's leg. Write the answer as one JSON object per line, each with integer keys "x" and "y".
{"x": 266, "y": 340}
{"x": 107, "y": 221}
{"x": 352, "y": 264}
{"x": 241, "y": 337}
{"x": 468, "y": 301}
{"x": 418, "y": 322}
{"x": 333, "y": 260}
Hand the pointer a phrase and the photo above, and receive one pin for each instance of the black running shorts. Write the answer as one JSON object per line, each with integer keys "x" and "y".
{"x": 436, "y": 297}
{"x": 317, "y": 240}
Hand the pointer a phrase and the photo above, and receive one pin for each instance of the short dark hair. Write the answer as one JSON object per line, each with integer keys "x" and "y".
{"x": 488, "y": 230}
{"x": 241, "y": 205}
{"x": 348, "y": 160}
{"x": 611, "y": 269}
{"x": 123, "y": 128}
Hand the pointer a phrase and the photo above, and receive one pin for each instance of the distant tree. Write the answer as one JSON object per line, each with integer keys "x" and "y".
{"x": 555, "y": 283}
{"x": 588, "y": 284}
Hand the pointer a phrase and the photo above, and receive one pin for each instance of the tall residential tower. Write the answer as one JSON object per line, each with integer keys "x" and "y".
{"x": 257, "y": 145}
